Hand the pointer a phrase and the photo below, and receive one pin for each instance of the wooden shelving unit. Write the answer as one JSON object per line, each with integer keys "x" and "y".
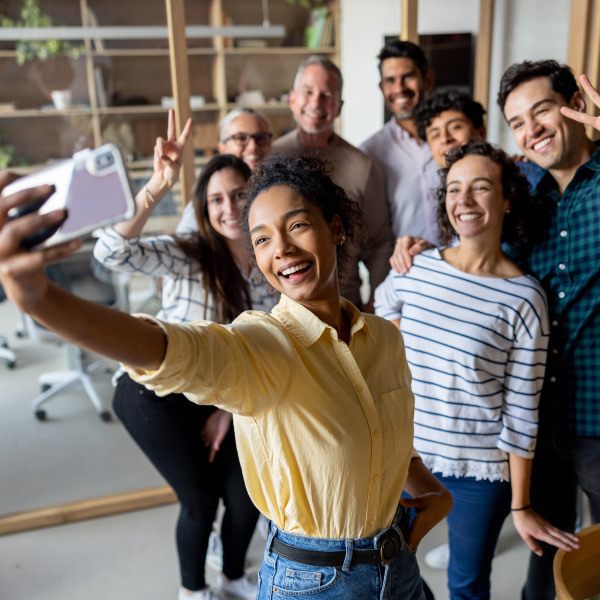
{"x": 118, "y": 85}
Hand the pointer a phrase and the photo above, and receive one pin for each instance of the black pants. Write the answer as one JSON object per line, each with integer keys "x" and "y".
{"x": 561, "y": 463}
{"x": 168, "y": 431}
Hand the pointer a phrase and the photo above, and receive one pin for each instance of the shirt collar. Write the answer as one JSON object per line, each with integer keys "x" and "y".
{"x": 307, "y": 327}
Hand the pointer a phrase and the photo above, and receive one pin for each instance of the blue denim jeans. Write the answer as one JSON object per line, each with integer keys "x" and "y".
{"x": 282, "y": 579}
{"x": 474, "y": 523}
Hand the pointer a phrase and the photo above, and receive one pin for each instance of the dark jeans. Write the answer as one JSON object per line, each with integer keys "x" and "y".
{"x": 168, "y": 432}
{"x": 561, "y": 463}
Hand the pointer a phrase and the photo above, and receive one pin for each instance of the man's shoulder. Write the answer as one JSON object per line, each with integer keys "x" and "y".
{"x": 377, "y": 141}
{"x": 287, "y": 142}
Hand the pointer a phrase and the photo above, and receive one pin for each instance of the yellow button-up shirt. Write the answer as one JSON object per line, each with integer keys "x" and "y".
{"x": 324, "y": 429}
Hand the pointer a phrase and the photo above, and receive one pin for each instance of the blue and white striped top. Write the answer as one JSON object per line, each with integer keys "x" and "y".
{"x": 476, "y": 347}
{"x": 183, "y": 296}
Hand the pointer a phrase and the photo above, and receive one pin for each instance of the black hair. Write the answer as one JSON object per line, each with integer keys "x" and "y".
{"x": 560, "y": 77}
{"x": 221, "y": 277}
{"x": 448, "y": 99}
{"x": 520, "y": 226}
{"x": 309, "y": 177}
{"x": 402, "y": 49}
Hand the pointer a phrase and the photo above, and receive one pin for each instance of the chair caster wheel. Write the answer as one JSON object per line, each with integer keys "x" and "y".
{"x": 45, "y": 387}
{"x": 11, "y": 364}
{"x": 40, "y": 414}
{"x": 106, "y": 416}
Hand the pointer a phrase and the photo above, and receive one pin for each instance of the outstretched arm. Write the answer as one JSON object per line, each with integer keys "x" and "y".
{"x": 582, "y": 117}
{"x": 168, "y": 157}
{"x": 97, "y": 328}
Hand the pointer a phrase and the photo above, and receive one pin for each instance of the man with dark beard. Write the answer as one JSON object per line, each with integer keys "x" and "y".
{"x": 409, "y": 169}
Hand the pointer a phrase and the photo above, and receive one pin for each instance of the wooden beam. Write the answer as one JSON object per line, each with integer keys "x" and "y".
{"x": 408, "y": 32}
{"x": 483, "y": 53}
{"x": 180, "y": 83}
{"x": 70, "y": 512}
{"x": 579, "y": 35}
{"x": 593, "y": 70}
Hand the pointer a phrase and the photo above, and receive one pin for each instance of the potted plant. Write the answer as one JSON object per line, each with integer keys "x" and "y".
{"x": 51, "y": 57}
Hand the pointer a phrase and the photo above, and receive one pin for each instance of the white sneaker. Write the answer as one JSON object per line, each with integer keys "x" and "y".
{"x": 245, "y": 587}
{"x": 214, "y": 554}
{"x": 205, "y": 594}
{"x": 439, "y": 557}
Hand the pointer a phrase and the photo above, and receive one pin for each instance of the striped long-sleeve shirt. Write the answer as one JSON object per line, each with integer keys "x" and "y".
{"x": 183, "y": 295}
{"x": 476, "y": 347}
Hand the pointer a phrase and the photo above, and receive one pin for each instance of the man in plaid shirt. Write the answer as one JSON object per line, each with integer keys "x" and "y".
{"x": 567, "y": 262}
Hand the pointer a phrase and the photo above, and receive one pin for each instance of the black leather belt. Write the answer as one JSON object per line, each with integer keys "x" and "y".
{"x": 335, "y": 558}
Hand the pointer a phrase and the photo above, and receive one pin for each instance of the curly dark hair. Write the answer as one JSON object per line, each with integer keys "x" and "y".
{"x": 561, "y": 78}
{"x": 403, "y": 49}
{"x": 448, "y": 99}
{"x": 309, "y": 177}
{"x": 520, "y": 226}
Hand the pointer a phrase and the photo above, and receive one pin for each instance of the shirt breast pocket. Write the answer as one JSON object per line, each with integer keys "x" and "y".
{"x": 400, "y": 406}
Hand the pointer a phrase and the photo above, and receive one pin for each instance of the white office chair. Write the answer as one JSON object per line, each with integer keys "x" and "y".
{"x": 86, "y": 278}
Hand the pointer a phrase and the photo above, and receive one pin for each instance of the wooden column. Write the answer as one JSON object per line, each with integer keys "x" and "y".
{"x": 180, "y": 82}
{"x": 483, "y": 53}
{"x": 579, "y": 35}
{"x": 408, "y": 31}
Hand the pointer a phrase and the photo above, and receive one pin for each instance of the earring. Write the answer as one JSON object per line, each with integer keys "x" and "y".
{"x": 342, "y": 240}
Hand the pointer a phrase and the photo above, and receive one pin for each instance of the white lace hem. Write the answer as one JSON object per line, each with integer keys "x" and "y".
{"x": 480, "y": 471}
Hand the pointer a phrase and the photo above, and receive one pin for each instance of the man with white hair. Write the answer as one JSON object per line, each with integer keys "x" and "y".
{"x": 244, "y": 133}
{"x": 315, "y": 102}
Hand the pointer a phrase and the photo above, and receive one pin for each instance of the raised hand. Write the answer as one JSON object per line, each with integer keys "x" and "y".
{"x": 168, "y": 153}
{"x": 582, "y": 117}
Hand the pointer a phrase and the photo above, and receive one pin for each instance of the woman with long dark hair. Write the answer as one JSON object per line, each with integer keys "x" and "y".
{"x": 206, "y": 275}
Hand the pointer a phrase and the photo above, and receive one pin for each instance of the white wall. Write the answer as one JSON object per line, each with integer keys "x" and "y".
{"x": 533, "y": 29}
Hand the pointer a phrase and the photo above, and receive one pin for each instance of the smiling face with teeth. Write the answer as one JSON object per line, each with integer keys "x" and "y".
{"x": 403, "y": 86}
{"x": 475, "y": 200}
{"x": 542, "y": 133}
{"x": 226, "y": 196}
{"x": 295, "y": 247}
{"x": 316, "y": 100}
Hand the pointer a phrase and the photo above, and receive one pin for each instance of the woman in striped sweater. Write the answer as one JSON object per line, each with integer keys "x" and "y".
{"x": 476, "y": 333}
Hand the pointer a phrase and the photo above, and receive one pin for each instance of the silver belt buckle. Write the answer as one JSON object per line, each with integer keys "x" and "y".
{"x": 392, "y": 540}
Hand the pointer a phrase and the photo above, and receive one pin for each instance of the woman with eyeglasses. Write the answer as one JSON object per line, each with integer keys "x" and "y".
{"x": 243, "y": 132}
{"x": 206, "y": 275}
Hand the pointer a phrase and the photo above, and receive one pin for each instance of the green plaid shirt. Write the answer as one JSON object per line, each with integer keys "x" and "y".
{"x": 567, "y": 263}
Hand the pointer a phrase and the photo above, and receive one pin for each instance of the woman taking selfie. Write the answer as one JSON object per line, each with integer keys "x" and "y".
{"x": 476, "y": 331}
{"x": 206, "y": 275}
{"x": 320, "y": 392}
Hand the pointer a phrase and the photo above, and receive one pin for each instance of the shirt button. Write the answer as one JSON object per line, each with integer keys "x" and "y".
{"x": 555, "y": 351}
{"x": 562, "y": 266}
{"x": 561, "y": 294}
{"x": 372, "y": 522}
{"x": 553, "y": 379}
{"x": 563, "y": 233}
{"x": 377, "y": 433}
{"x": 555, "y": 323}
{"x": 359, "y": 388}
{"x": 376, "y": 478}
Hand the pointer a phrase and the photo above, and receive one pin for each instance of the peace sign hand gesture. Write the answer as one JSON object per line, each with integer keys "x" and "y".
{"x": 582, "y": 117}
{"x": 168, "y": 154}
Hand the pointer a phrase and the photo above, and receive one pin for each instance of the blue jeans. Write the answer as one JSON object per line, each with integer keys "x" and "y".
{"x": 474, "y": 523}
{"x": 282, "y": 579}
{"x": 561, "y": 463}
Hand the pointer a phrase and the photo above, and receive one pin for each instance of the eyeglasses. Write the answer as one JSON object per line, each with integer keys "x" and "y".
{"x": 242, "y": 139}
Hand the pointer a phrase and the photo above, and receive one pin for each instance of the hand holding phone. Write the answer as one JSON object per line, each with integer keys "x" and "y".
{"x": 92, "y": 187}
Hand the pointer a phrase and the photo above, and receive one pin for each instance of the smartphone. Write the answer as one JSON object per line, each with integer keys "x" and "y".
{"x": 92, "y": 186}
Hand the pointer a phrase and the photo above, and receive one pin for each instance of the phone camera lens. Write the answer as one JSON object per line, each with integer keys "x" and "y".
{"x": 105, "y": 160}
